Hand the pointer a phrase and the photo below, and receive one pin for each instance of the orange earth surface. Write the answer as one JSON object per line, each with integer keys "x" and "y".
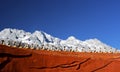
{"x": 27, "y": 60}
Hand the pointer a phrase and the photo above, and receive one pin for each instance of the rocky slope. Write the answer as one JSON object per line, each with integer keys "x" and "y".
{"x": 14, "y": 59}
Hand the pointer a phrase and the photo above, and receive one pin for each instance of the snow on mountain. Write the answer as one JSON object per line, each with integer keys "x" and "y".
{"x": 71, "y": 41}
{"x": 52, "y": 43}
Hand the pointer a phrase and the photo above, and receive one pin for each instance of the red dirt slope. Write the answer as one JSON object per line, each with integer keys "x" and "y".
{"x": 27, "y": 60}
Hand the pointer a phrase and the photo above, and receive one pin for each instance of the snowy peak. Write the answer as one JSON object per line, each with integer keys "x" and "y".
{"x": 95, "y": 43}
{"x": 71, "y": 41}
{"x": 71, "y": 38}
{"x": 13, "y": 34}
{"x": 45, "y": 38}
{"x": 39, "y": 38}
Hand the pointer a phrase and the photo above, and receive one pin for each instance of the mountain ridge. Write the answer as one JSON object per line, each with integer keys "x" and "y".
{"x": 40, "y": 38}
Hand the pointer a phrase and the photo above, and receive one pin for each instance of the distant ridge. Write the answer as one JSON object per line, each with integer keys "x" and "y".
{"x": 41, "y": 40}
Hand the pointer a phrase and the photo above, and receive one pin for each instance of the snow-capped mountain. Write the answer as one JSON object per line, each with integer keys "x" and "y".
{"x": 38, "y": 37}
{"x": 49, "y": 42}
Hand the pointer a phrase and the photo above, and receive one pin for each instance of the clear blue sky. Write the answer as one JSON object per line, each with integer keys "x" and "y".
{"x": 83, "y": 19}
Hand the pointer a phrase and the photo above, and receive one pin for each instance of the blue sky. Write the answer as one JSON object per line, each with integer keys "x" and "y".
{"x": 83, "y": 19}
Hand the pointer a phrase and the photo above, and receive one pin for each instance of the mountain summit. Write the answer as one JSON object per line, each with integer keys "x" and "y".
{"x": 39, "y": 38}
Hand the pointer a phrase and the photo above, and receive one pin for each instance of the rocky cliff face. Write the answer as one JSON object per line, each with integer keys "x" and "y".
{"x": 14, "y": 59}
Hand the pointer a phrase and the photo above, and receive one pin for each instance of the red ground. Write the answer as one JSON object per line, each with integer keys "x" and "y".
{"x": 27, "y": 60}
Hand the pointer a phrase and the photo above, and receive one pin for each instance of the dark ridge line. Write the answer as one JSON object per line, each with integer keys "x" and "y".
{"x": 14, "y": 56}
{"x": 102, "y": 67}
{"x": 57, "y": 67}
{"x": 82, "y": 63}
{"x": 68, "y": 66}
{"x": 69, "y": 63}
{"x": 4, "y": 63}
{"x": 9, "y": 58}
{"x": 74, "y": 63}
{"x": 62, "y": 66}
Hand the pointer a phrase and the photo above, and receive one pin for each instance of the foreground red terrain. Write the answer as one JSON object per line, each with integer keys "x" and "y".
{"x": 28, "y": 60}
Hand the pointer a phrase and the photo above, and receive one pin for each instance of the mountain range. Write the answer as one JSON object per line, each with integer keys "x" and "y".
{"x": 42, "y": 40}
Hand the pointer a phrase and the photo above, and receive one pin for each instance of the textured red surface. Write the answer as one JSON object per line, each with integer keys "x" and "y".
{"x": 27, "y": 60}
